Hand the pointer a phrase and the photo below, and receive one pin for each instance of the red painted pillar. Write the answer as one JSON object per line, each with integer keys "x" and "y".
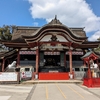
{"x": 36, "y": 65}
{"x": 3, "y": 64}
{"x": 90, "y": 83}
{"x": 70, "y": 61}
{"x": 18, "y": 58}
{"x": 89, "y": 71}
{"x": 37, "y": 60}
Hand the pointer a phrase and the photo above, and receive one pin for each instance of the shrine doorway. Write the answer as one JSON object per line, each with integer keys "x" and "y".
{"x": 52, "y": 60}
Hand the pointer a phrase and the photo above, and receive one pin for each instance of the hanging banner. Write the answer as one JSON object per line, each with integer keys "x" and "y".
{"x": 75, "y": 53}
{"x": 27, "y": 52}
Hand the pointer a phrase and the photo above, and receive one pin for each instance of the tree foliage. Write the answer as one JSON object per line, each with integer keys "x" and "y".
{"x": 98, "y": 39}
{"x": 98, "y": 48}
{"x": 6, "y": 32}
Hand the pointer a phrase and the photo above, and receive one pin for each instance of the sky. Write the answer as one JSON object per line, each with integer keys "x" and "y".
{"x": 72, "y": 13}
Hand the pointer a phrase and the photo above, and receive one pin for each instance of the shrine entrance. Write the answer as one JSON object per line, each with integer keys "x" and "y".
{"x": 52, "y": 60}
{"x": 52, "y": 66}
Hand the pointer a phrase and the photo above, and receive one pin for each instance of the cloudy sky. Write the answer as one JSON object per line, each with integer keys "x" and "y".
{"x": 72, "y": 13}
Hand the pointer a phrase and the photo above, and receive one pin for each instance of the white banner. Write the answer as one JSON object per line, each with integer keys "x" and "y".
{"x": 8, "y": 76}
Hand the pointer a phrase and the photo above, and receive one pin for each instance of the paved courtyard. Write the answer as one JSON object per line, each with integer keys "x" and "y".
{"x": 50, "y": 91}
{"x": 14, "y": 92}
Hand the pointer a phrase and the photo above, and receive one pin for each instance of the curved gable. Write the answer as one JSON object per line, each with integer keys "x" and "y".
{"x": 54, "y": 28}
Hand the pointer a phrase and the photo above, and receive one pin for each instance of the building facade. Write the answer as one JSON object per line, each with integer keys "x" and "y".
{"x": 51, "y": 48}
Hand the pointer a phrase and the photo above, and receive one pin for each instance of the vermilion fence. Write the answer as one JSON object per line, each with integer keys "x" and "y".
{"x": 91, "y": 82}
{"x": 53, "y": 76}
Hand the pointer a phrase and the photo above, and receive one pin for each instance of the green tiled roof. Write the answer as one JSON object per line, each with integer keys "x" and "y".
{"x": 88, "y": 54}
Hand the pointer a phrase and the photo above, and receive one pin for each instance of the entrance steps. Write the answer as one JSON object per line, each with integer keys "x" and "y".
{"x": 52, "y": 81}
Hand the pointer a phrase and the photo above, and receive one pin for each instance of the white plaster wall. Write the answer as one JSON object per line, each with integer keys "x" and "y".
{"x": 59, "y": 38}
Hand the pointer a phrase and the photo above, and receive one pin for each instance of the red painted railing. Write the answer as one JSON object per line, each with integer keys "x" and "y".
{"x": 91, "y": 82}
{"x": 96, "y": 82}
{"x": 53, "y": 76}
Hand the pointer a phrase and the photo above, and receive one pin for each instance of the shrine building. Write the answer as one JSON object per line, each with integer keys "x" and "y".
{"x": 53, "y": 47}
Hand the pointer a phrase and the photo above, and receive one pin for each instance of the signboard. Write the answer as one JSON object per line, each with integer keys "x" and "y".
{"x": 8, "y": 76}
{"x": 27, "y": 74}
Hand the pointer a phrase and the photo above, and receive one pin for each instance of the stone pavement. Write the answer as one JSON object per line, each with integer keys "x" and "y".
{"x": 62, "y": 91}
{"x": 49, "y": 90}
{"x": 94, "y": 90}
{"x": 4, "y": 97}
{"x": 14, "y": 92}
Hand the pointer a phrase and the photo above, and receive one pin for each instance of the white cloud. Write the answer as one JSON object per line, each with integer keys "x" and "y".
{"x": 95, "y": 36}
{"x": 35, "y": 23}
{"x": 73, "y": 13}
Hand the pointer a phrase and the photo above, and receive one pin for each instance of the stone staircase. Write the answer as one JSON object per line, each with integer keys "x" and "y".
{"x": 72, "y": 81}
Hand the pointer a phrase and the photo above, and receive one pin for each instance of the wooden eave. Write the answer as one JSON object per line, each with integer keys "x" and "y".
{"x": 12, "y": 44}
{"x": 87, "y": 46}
{"x": 50, "y": 42}
{"x": 73, "y": 44}
{"x": 9, "y": 54}
{"x": 91, "y": 42}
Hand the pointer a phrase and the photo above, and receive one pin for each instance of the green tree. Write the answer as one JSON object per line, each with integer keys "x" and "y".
{"x": 6, "y": 32}
{"x": 98, "y": 39}
{"x": 98, "y": 48}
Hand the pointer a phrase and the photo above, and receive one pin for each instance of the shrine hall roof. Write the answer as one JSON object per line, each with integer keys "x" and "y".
{"x": 20, "y": 31}
{"x": 24, "y": 36}
{"x": 29, "y": 31}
